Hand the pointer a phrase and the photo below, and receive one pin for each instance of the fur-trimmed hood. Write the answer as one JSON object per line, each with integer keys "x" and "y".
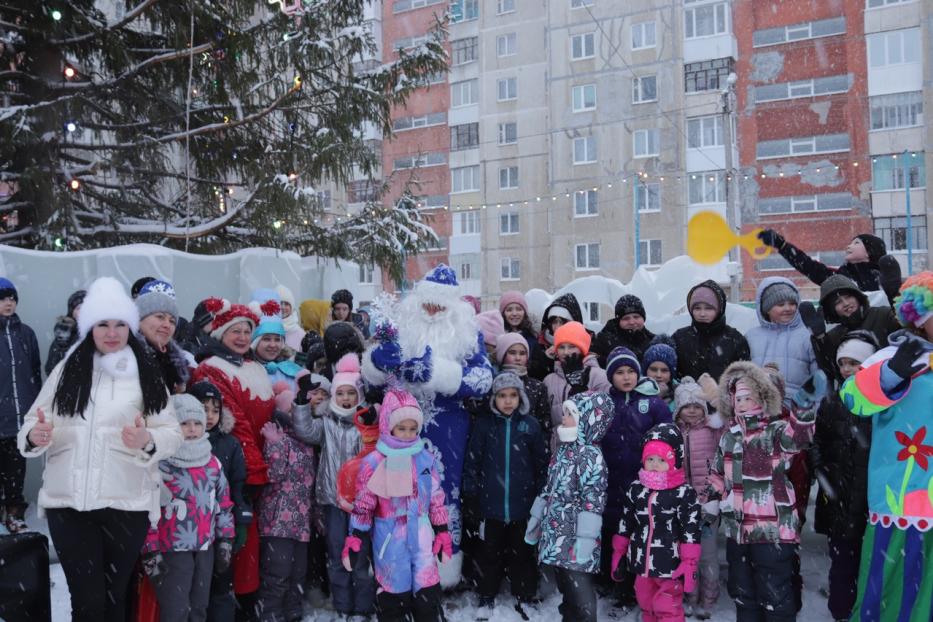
{"x": 227, "y": 421}
{"x": 757, "y": 379}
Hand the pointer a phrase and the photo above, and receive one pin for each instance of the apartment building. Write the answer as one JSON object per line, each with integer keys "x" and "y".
{"x": 830, "y": 118}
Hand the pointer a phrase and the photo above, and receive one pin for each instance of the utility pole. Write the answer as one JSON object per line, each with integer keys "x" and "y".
{"x": 733, "y": 216}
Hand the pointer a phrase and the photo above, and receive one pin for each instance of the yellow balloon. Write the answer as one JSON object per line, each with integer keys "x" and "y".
{"x": 709, "y": 239}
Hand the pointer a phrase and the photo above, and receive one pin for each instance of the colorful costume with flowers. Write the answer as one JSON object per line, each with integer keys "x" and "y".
{"x": 896, "y": 572}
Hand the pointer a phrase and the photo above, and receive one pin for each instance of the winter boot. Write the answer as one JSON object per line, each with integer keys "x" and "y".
{"x": 14, "y": 521}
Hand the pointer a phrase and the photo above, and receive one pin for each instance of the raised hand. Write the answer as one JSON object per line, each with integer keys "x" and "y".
{"x": 272, "y": 432}
{"x": 41, "y": 434}
{"x": 136, "y": 436}
{"x": 902, "y": 363}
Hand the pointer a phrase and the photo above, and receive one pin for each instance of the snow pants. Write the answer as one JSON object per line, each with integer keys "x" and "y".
{"x": 97, "y": 550}
{"x": 707, "y": 592}
{"x": 352, "y": 593}
{"x": 222, "y": 604}
{"x": 184, "y": 588}
{"x": 422, "y": 606}
{"x": 283, "y": 564}
{"x": 761, "y": 581}
{"x": 661, "y": 600}
{"x": 579, "y": 594}
{"x": 843, "y": 576}
{"x": 12, "y": 476}
{"x": 503, "y": 549}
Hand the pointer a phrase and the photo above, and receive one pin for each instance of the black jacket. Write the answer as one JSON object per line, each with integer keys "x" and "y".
{"x": 539, "y": 363}
{"x": 539, "y": 402}
{"x": 228, "y": 450}
{"x": 64, "y": 335}
{"x": 172, "y": 363}
{"x": 612, "y": 336}
{"x": 866, "y": 275}
{"x": 839, "y": 457}
{"x": 20, "y": 373}
{"x": 712, "y": 347}
{"x": 506, "y": 465}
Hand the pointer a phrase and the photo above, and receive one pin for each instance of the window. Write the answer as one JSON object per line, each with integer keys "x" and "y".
{"x": 643, "y": 36}
{"x": 584, "y": 203}
{"x": 879, "y": 3}
{"x": 644, "y": 89}
{"x": 463, "y": 10}
{"x": 707, "y": 75}
{"x": 464, "y": 93}
{"x": 463, "y": 51}
{"x": 508, "y": 178}
{"x": 464, "y": 179}
{"x": 363, "y": 191}
{"x": 827, "y": 143}
{"x": 576, "y": 4}
{"x": 648, "y": 197}
{"x": 508, "y": 133}
{"x": 706, "y": 20}
{"x": 889, "y": 172}
{"x": 428, "y": 159}
{"x": 507, "y": 89}
{"x": 407, "y": 43}
{"x": 704, "y": 132}
{"x": 646, "y": 143}
{"x": 894, "y": 232}
{"x": 583, "y": 46}
{"x": 706, "y": 187}
{"x": 508, "y": 224}
{"x": 584, "y": 97}
{"x": 435, "y": 201}
{"x": 506, "y": 45}
{"x": 895, "y": 47}
{"x": 799, "y": 32}
{"x": 406, "y": 5}
{"x": 510, "y": 269}
{"x": 467, "y": 223}
{"x": 586, "y": 256}
{"x": 466, "y": 271}
{"x": 649, "y": 252}
{"x": 802, "y": 88}
{"x": 505, "y": 6}
{"x": 590, "y": 311}
{"x": 805, "y": 203}
{"x": 464, "y": 136}
{"x": 584, "y": 149}
{"x": 897, "y": 110}
{"x": 409, "y": 123}
{"x": 366, "y": 274}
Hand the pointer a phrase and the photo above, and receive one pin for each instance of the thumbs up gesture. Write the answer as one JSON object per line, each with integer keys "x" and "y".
{"x": 41, "y": 434}
{"x": 136, "y": 436}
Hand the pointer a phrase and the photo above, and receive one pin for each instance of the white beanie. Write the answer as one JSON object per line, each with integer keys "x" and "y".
{"x": 107, "y": 300}
{"x": 854, "y": 349}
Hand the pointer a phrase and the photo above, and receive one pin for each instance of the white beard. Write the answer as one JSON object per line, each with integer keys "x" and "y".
{"x": 452, "y": 334}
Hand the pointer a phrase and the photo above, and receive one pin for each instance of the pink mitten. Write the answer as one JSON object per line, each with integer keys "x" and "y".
{"x": 443, "y": 545}
{"x": 689, "y": 559}
{"x": 619, "y": 549}
{"x": 352, "y": 543}
{"x": 283, "y": 401}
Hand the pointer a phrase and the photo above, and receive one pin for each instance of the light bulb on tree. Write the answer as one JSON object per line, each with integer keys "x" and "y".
{"x": 71, "y": 126}
{"x": 56, "y": 15}
{"x": 277, "y": 224}
{"x": 59, "y": 243}
{"x": 70, "y": 72}
{"x": 74, "y": 184}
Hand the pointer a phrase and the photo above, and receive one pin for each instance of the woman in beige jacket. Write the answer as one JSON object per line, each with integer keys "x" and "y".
{"x": 103, "y": 421}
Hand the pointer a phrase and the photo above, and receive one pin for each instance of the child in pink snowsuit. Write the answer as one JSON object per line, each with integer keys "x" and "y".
{"x": 400, "y": 511}
{"x": 661, "y": 521}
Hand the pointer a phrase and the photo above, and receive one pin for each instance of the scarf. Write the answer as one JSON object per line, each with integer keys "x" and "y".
{"x": 192, "y": 453}
{"x": 393, "y": 476}
{"x": 119, "y": 364}
{"x": 291, "y": 322}
{"x": 343, "y": 414}
{"x": 661, "y": 480}
{"x": 286, "y": 367}
{"x": 518, "y": 370}
{"x": 567, "y": 435}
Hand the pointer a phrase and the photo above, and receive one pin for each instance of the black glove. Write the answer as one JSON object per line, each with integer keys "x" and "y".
{"x": 620, "y": 571}
{"x": 812, "y": 318}
{"x": 368, "y": 416}
{"x": 305, "y": 386}
{"x": 571, "y": 364}
{"x": 223, "y": 553}
{"x": 890, "y": 276}
{"x": 153, "y": 564}
{"x": 373, "y": 395}
{"x": 770, "y": 237}
{"x": 902, "y": 363}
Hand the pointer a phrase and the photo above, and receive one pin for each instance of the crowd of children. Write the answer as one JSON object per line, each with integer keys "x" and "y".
{"x": 601, "y": 464}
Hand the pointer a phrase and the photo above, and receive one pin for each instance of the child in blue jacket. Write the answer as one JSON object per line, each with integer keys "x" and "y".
{"x": 506, "y": 465}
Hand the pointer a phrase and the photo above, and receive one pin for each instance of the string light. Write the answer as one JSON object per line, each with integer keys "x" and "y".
{"x": 56, "y": 15}
{"x": 70, "y": 72}
{"x": 71, "y": 126}
{"x": 75, "y": 185}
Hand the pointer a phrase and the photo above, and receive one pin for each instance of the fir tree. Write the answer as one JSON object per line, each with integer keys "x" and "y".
{"x": 206, "y": 125}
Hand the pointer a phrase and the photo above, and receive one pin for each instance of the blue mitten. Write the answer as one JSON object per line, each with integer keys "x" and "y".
{"x": 589, "y": 526}
{"x": 812, "y": 391}
{"x": 417, "y": 370}
{"x": 387, "y": 356}
{"x": 533, "y": 531}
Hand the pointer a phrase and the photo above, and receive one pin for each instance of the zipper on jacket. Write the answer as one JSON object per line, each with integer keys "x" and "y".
{"x": 651, "y": 496}
{"x": 508, "y": 446}
{"x": 9, "y": 343}
{"x": 90, "y": 439}
{"x": 687, "y": 465}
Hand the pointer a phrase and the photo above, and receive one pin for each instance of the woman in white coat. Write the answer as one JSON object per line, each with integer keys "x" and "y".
{"x": 103, "y": 421}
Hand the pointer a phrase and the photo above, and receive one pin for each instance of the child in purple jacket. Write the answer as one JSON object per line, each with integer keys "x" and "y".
{"x": 636, "y": 409}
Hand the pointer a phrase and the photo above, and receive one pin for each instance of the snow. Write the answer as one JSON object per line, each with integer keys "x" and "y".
{"x": 463, "y": 607}
{"x": 663, "y": 292}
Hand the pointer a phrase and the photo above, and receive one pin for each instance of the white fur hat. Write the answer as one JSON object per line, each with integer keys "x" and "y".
{"x": 107, "y": 300}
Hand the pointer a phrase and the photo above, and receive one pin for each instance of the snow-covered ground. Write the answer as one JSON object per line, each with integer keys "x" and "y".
{"x": 463, "y": 607}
